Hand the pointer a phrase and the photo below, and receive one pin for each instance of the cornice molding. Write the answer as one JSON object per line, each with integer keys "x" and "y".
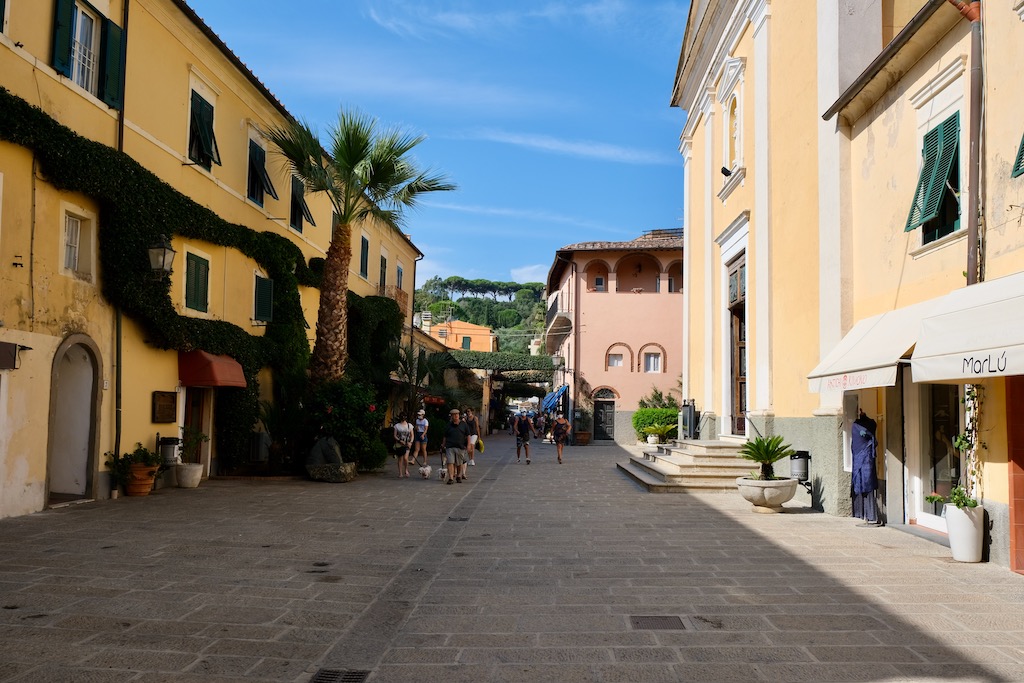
{"x": 758, "y": 12}
{"x": 733, "y": 71}
{"x": 939, "y": 82}
{"x": 738, "y": 223}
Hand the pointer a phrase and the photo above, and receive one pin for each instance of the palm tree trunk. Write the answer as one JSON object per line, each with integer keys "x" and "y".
{"x": 330, "y": 352}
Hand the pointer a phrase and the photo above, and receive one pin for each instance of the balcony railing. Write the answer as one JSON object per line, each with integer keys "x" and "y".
{"x": 552, "y": 312}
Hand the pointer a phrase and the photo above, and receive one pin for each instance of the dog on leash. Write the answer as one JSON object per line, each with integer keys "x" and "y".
{"x": 425, "y": 471}
{"x": 442, "y": 474}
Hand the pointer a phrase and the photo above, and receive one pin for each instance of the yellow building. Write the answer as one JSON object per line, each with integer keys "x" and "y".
{"x": 458, "y": 334}
{"x": 117, "y": 128}
{"x": 854, "y": 184}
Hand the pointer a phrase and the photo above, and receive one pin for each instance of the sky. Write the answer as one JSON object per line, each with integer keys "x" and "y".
{"x": 551, "y": 116}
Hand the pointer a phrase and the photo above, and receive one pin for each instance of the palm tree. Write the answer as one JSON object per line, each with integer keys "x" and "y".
{"x": 368, "y": 174}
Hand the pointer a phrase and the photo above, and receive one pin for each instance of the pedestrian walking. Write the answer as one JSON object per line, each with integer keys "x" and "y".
{"x": 523, "y": 428}
{"x": 454, "y": 446}
{"x": 540, "y": 423}
{"x": 560, "y": 430}
{"x": 473, "y": 423}
{"x": 403, "y": 444}
{"x": 419, "y": 437}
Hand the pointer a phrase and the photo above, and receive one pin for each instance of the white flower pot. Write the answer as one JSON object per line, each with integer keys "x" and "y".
{"x": 653, "y": 438}
{"x": 966, "y": 531}
{"x": 767, "y": 495}
{"x": 189, "y": 475}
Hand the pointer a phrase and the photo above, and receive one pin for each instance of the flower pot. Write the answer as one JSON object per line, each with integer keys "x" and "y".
{"x": 582, "y": 438}
{"x": 768, "y": 495}
{"x": 653, "y": 439}
{"x": 966, "y": 530}
{"x": 140, "y": 480}
{"x": 189, "y": 475}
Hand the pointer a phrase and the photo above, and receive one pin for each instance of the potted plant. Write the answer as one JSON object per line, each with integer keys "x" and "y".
{"x": 763, "y": 489}
{"x": 190, "y": 470}
{"x": 581, "y": 434}
{"x": 120, "y": 468}
{"x": 964, "y": 523}
{"x": 658, "y": 433}
{"x": 142, "y": 466}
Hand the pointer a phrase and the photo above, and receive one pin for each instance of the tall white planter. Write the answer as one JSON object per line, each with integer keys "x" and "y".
{"x": 966, "y": 531}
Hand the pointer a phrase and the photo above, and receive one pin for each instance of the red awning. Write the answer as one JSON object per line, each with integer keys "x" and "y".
{"x": 201, "y": 369}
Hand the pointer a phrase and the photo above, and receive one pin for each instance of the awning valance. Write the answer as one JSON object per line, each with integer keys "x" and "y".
{"x": 870, "y": 353}
{"x": 202, "y": 369}
{"x": 974, "y": 332}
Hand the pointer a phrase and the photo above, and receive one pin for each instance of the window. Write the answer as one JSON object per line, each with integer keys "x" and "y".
{"x": 264, "y": 300}
{"x": 77, "y": 243}
{"x": 442, "y": 334}
{"x": 364, "y": 256}
{"x": 197, "y": 282}
{"x": 3, "y": 16}
{"x": 259, "y": 181}
{"x": 936, "y": 205}
{"x": 87, "y": 48}
{"x": 599, "y": 285}
{"x": 383, "y": 271}
{"x": 72, "y": 235}
{"x": 300, "y": 210}
{"x": 652, "y": 362}
{"x": 399, "y": 277}
{"x": 466, "y": 343}
{"x": 202, "y": 143}
{"x": 671, "y": 284}
{"x": 615, "y": 360}
{"x": 1018, "y": 164}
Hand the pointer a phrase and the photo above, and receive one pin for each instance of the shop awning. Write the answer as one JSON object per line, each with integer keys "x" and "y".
{"x": 202, "y": 369}
{"x": 974, "y": 333}
{"x": 551, "y": 400}
{"x": 870, "y": 353}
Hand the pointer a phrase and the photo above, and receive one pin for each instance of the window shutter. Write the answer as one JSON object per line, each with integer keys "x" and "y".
{"x": 264, "y": 299}
{"x": 1018, "y": 165}
{"x": 1, "y": 16}
{"x": 295, "y": 218}
{"x": 202, "y": 119}
{"x": 364, "y": 257}
{"x": 113, "y": 65}
{"x": 197, "y": 281}
{"x": 63, "y": 25}
{"x": 940, "y": 147}
{"x": 261, "y": 168}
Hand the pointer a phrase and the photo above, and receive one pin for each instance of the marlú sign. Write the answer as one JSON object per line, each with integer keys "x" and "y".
{"x": 985, "y": 365}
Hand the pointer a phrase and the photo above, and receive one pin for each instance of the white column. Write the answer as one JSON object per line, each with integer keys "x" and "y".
{"x": 709, "y": 259}
{"x": 685, "y": 148}
{"x": 761, "y": 399}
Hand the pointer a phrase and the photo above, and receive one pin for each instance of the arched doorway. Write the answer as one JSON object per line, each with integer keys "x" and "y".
{"x": 604, "y": 415}
{"x": 73, "y": 399}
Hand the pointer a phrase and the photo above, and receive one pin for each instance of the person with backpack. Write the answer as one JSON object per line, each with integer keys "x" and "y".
{"x": 523, "y": 428}
{"x": 473, "y": 423}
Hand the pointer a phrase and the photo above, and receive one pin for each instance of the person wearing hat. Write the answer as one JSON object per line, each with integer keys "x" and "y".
{"x": 454, "y": 446}
{"x": 419, "y": 436}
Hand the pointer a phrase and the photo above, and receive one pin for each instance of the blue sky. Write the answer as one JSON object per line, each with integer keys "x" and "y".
{"x": 552, "y": 116}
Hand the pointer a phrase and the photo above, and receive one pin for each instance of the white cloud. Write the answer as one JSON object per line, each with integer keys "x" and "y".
{"x": 586, "y": 149}
{"x": 538, "y": 273}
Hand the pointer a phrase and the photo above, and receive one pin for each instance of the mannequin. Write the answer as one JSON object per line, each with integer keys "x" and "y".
{"x": 864, "y": 478}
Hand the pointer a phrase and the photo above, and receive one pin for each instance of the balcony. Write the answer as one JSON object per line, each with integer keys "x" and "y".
{"x": 399, "y": 295}
{"x": 557, "y": 324}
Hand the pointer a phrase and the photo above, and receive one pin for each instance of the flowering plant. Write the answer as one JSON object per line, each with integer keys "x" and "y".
{"x": 958, "y": 497}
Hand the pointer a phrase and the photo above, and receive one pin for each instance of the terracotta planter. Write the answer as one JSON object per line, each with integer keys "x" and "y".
{"x": 582, "y": 438}
{"x": 767, "y": 496}
{"x": 966, "y": 530}
{"x": 140, "y": 481}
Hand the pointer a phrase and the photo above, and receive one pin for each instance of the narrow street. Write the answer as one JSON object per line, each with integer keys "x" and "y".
{"x": 535, "y": 572}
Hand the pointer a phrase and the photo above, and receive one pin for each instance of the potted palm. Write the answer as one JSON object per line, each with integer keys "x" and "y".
{"x": 765, "y": 491}
{"x": 964, "y": 523}
{"x": 658, "y": 433}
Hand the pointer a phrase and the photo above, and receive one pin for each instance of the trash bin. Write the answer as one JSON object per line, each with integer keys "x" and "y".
{"x": 168, "y": 447}
{"x": 798, "y": 465}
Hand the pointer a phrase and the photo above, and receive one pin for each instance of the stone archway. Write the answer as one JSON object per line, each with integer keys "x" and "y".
{"x": 74, "y": 409}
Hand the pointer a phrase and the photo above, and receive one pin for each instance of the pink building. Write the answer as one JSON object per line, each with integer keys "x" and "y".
{"x": 615, "y": 318}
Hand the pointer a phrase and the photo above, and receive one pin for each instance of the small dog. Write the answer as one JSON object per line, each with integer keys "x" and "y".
{"x": 442, "y": 474}
{"x": 425, "y": 471}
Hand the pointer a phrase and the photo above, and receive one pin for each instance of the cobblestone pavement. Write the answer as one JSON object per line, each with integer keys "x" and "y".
{"x": 524, "y": 573}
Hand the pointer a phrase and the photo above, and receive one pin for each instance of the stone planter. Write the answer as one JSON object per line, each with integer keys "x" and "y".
{"x": 966, "y": 530}
{"x": 333, "y": 472}
{"x": 653, "y": 439}
{"x": 767, "y": 496}
{"x": 189, "y": 475}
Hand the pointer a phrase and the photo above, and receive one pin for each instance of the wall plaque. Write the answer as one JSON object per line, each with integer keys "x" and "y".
{"x": 165, "y": 406}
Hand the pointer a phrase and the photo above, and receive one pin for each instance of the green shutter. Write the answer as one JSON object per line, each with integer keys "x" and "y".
{"x": 2, "y": 3}
{"x": 1018, "y": 165}
{"x": 264, "y": 299}
{"x": 197, "y": 282}
{"x": 63, "y": 35}
{"x": 260, "y": 159}
{"x": 940, "y": 147}
{"x": 112, "y": 67}
{"x": 364, "y": 257}
{"x": 295, "y": 217}
{"x": 202, "y": 119}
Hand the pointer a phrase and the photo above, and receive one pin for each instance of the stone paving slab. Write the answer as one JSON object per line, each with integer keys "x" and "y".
{"x": 523, "y": 573}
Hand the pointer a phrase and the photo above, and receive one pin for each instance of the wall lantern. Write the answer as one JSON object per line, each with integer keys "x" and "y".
{"x": 556, "y": 361}
{"x": 161, "y": 256}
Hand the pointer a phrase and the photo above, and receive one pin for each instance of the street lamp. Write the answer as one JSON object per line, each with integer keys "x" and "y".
{"x": 161, "y": 256}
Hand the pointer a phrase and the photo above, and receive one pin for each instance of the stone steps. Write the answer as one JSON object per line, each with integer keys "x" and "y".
{"x": 679, "y": 467}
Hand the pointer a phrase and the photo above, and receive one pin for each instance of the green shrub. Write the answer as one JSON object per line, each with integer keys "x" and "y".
{"x": 648, "y": 417}
{"x": 766, "y": 451}
{"x": 347, "y": 411}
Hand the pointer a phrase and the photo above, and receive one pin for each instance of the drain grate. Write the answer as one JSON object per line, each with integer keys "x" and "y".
{"x": 339, "y": 676}
{"x": 670, "y": 623}
{"x": 458, "y": 519}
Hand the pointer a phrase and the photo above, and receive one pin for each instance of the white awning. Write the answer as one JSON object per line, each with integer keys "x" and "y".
{"x": 870, "y": 353}
{"x": 975, "y": 332}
